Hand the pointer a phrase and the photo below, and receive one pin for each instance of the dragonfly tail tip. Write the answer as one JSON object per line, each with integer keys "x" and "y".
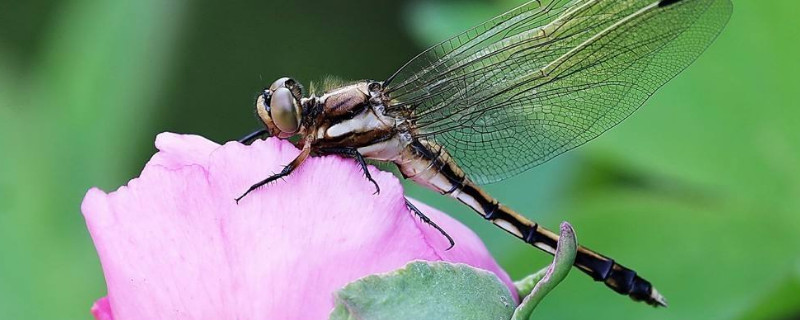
{"x": 657, "y": 299}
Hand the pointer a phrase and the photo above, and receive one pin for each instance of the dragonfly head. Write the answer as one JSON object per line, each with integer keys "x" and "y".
{"x": 280, "y": 109}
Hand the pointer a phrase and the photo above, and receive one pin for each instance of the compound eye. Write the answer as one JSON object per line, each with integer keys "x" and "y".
{"x": 290, "y": 84}
{"x": 280, "y": 83}
{"x": 265, "y": 97}
{"x": 285, "y": 110}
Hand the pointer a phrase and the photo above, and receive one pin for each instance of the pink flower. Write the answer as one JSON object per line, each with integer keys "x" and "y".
{"x": 174, "y": 245}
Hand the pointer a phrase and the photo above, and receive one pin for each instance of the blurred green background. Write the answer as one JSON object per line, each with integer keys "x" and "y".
{"x": 699, "y": 191}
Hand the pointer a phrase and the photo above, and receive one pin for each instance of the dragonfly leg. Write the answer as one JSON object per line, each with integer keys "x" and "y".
{"x": 287, "y": 170}
{"x": 430, "y": 222}
{"x": 353, "y": 153}
{"x": 248, "y": 139}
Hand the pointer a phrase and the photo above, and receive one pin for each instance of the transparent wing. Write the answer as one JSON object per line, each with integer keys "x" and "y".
{"x": 548, "y": 76}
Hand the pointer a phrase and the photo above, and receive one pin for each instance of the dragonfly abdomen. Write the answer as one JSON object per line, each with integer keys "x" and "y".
{"x": 430, "y": 165}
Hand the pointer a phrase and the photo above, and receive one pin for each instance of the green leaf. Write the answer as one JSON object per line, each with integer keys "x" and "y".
{"x": 425, "y": 290}
{"x": 562, "y": 263}
{"x": 525, "y": 286}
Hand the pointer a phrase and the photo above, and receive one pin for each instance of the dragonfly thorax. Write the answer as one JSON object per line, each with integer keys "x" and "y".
{"x": 354, "y": 111}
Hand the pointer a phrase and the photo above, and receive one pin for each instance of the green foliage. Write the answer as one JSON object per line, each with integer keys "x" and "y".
{"x": 66, "y": 127}
{"x": 778, "y": 303}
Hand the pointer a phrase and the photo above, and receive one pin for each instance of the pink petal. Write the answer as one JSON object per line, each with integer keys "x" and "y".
{"x": 174, "y": 244}
{"x": 177, "y": 150}
{"x": 101, "y": 310}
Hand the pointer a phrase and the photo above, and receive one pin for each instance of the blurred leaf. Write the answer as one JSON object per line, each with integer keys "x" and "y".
{"x": 779, "y": 303}
{"x": 95, "y": 82}
{"x": 721, "y": 163}
{"x": 425, "y": 290}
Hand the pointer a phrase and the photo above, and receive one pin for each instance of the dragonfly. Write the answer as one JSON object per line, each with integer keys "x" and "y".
{"x": 499, "y": 99}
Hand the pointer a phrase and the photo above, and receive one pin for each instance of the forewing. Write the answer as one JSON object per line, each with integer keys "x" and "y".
{"x": 549, "y": 76}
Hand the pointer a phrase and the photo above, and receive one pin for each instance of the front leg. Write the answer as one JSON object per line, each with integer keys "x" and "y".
{"x": 285, "y": 172}
{"x": 353, "y": 153}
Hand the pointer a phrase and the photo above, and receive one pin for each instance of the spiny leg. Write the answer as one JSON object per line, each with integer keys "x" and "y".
{"x": 430, "y": 222}
{"x": 248, "y": 139}
{"x": 285, "y": 172}
{"x": 353, "y": 153}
